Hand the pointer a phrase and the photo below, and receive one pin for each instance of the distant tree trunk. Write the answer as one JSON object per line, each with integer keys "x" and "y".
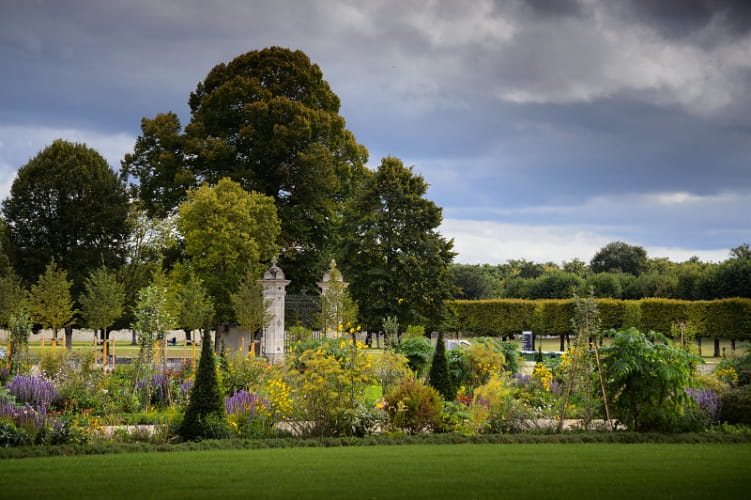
{"x": 563, "y": 343}
{"x": 187, "y": 334}
{"x": 732, "y": 345}
{"x": 716, "y": 348}
{"x": 133, "y": 340}
{"x": 69, "y": 338}
{"x": 698, "y": 344}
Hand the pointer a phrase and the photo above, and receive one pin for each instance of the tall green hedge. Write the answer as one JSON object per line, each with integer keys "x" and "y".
{"x": 724, "y": 318}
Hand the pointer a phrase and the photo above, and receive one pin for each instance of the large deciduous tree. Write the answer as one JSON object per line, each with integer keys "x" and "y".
{"x": 269, "y": 121}
{"x": 393, "y": 255}
{"x": 620, "y": 256}
{"x": 227, "y": 233}
{"x": 66, "y": 205}
{"x": 159, "y": 163}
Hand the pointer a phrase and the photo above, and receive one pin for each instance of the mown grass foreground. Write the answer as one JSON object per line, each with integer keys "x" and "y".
{"x": 637, "y": 471}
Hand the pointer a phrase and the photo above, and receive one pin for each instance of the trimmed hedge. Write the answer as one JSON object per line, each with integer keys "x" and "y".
{"x": 723, "y": 318}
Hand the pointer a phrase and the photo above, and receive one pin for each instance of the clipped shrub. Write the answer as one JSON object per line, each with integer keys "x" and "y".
{"x": 205, "y": 417}
{"x": 414, "y": 407}
{"x": 439, "y": 377}
{"x": 723, "y": 318}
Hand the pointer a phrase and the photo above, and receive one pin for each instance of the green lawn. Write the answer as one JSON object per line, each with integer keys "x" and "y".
{"x": 586, "y": 471}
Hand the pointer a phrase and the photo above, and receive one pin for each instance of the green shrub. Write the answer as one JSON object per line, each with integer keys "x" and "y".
{"x": 414, "y": 407}
{"x": 646, "y": 378}
{"x": 495, "y": 408}
{"x": 11, "y": 435}
{"x": 738, "y": 367}
{"x": 418, "y": 351}
{"x": 299, "y": 334}
{"x": 414, "y": 331}
{"x": 736, "y": 405}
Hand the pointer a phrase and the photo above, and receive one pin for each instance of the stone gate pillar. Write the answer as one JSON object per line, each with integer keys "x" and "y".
{"x": 332, "y": 287}
{"x": 274, "y": 291}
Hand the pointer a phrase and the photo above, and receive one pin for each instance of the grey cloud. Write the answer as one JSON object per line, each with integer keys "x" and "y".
{"x": 682, "y": 18}
{"x": 505, "y": 104}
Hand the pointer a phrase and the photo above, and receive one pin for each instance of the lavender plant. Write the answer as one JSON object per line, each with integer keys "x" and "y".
{"x": 34, "y": 390}
{"x": 708, "y": 401}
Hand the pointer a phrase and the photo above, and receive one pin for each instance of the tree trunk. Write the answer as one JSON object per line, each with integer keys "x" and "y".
{"x": 716, "y": 348}
{"x": 732, "y": 345}
{"x": 698, "y": 344}
{"x": 563, "y": 343}
{"x": 134, "y": 340}
{"x": 187, "y": 335}
{"x": 69, "y": 338}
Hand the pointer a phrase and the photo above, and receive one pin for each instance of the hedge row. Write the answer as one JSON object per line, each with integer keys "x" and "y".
{"x": 723, "y": 318}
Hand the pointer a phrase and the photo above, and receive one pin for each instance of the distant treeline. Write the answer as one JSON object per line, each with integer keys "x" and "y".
{"x": 617, "y": 271}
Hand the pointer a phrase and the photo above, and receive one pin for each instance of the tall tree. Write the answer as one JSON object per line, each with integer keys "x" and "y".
{"x": 159, "y": 163}
{"x": 474, "y": 282}
{"x": 392, "y": 252}
{"x": 102, "y": 302}
{"x": 4, "y": 260}
{"x": 269, "y": 121}
{"x": 51, "y": 303}
{"x": 12, "y": 298}
{"x": 66, "y": 204}
{"x": 156, "y": 312}
{"x": 620, "y": 256}
{"x": 227, "y": 233}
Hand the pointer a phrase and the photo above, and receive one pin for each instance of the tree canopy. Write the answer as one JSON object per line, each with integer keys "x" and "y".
{"x": 66, "y": 205}
{"x": 393, "y": 254}
{"x": 269, "y": 121}
{"x": 620, "y": 256}
{"x": 227, "y": 233}
{"x": 50, "y": 300}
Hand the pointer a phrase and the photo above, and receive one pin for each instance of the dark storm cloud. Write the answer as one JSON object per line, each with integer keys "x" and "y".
{"x": 507, "y": 108}
{"x": 680, "y": 18}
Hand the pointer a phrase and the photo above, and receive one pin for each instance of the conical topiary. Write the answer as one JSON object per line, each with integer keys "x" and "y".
{"x": 439, "y": 376}
{"x": 205, "y": 417}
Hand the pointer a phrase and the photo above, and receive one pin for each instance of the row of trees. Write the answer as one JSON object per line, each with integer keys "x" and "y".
{"x": 618, "y": 270}
{"x": 265, "y": 167}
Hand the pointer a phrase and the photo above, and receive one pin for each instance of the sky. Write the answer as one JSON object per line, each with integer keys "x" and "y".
{"x": 546, "y": 129}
